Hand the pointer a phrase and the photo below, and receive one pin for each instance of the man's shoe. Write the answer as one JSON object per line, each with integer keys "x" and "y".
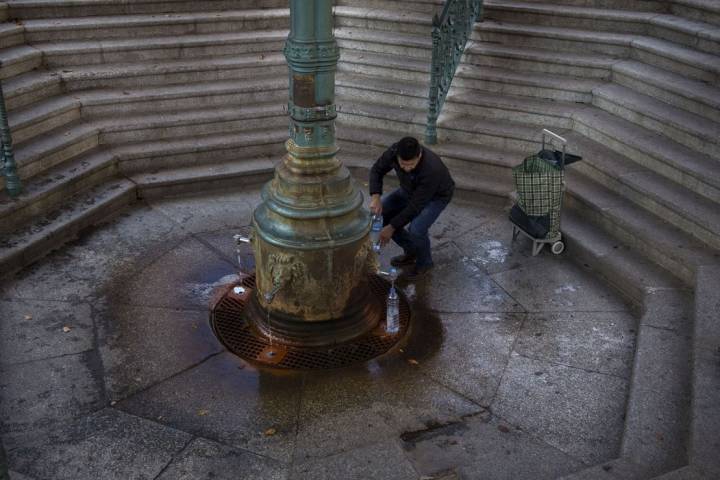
{"x": 402, "y": 260}
{"x": 417, "y": 272}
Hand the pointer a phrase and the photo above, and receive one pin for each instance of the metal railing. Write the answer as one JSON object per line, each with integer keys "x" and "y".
{"x": 451, "y": 31}
{"x": 8, "y": 168}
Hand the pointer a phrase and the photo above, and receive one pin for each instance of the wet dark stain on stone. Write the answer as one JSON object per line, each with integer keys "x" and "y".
{"x": 433, "y": 430}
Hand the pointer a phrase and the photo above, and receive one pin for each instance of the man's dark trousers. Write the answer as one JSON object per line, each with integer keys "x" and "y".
{"x": 414, "y": 240}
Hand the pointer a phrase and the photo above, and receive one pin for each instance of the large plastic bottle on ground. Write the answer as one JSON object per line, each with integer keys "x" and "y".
{"x": 392, "y": 317}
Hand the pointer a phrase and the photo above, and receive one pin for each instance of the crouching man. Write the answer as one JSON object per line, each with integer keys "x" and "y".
{"x": 426, "y": 188}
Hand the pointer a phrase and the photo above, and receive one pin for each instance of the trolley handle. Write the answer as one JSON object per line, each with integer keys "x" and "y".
{"x": 560, "y": 139}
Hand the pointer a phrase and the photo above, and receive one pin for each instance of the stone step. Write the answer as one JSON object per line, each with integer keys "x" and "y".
{"x": 638, "y": 5}
{"x": 30, "y": 9}
{"x": 622, "y": 267}
{"x": 701, "y": 10}
{"x": 691, "y": 95}
{"x": 539, "y": 61}
{"x": 43, "y": 193}
{"x": 703, "y": 36}
{"x": 187, "y": 123}
{"x": 31, "y": 87}
{"x": 392, "y": 43}
{"x": 244, "y": 171}
{"x": 705, "y": 408}
{"x": 539, "y": 113}
{"x": 18, "y": 60}
{"x": 573, "y": 40}
{"x": 688, "y": 472}
{"x": 145, "y": 49}
{"x": 667, "y": 55}
{"x": 42, "y": 117}
{"x": 391, "y": 20}
{"x": 50, "y": 231}
{"x": 159, "y": 155}
{"x": 667, "y": 200}
{"x": 689, "y": 129}
{"x": 478, "y": 169}
{"x": 549, "y": 86}
{"x": 657, "y": 412}
{"x": 691, "y": 169}
{"x": 155, "y": 25}
{"x": 569, "y": 16}
{"x": 453, "y": 126}
{"x": 385, "y": 66}
{"x": 678, "y": 58}
{"x": 351, "y": 88}
{"x": 428, "y": 7}
{"x": 11, "y": 34}
{"x": 54, "y": 148}
{"x": 127, "y": 75}
{"x": 109, "y": 102}
{"x": 666, "y": 245}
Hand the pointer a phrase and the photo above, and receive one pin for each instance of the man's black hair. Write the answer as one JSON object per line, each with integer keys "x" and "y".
{"x": 408, "y": 148}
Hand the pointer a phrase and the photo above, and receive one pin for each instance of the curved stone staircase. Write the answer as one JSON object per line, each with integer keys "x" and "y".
{"x": 114, "y": 101}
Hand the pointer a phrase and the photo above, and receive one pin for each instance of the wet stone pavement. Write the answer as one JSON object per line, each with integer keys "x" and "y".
{"x": 517, "y": 367}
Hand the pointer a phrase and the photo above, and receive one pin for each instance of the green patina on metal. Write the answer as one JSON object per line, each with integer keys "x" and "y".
{"x": 8, "y": 169}
{"x": 451, "y": 31}
{"x": 310, "y": 233}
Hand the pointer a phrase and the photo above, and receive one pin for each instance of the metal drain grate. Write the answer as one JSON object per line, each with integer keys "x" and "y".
{"x": 233, "y": 330}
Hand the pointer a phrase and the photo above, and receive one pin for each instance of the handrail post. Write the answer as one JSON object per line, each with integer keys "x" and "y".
{"x": 9, "y": 168}
{"x": 450, "y": 34}
{"x": 435, "y": 74}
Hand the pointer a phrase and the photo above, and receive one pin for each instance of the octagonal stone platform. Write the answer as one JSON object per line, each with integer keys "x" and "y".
{"x": 518, "y": 367}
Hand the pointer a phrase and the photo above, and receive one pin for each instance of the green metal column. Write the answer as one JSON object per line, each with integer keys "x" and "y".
{"x": 311, "y": 231}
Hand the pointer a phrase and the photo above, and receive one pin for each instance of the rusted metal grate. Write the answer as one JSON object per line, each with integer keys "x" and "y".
{"x": 233, "y": 330}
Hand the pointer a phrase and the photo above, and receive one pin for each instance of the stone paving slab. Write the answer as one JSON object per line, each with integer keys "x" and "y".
{"x": 601, "y": 342}
{"x": 577, "y": 411}
{"x": 473, "y": 369}
{"x": 486, "y": 448}
{"x": 480, "y": 293}
{"x": 225, "y": 400}
{"x": 198, "y": 215}
{"x": 384, "y": 460}
{"x": 203, "y": 458}
{"x": 109, "y": 445}
{"x": 474, "y": 353}
{"x": 33, "y": 330}
{"x": 557, "y": 286}
{"x": 143, "y": 346}
{"x": 184, "y": 277}
{"x": 37, "y": 396}
{"x": 347, "y": 409}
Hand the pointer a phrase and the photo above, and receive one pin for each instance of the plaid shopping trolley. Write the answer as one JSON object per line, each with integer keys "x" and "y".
{"x": 540, "y": 184}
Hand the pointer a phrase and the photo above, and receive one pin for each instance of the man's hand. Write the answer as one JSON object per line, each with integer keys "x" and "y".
{"x": 386, "y": 234}
{"x": 375, "y": 205}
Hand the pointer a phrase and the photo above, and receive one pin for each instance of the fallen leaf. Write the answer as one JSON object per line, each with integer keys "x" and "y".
{"x": 203, "y": 412}
{"x": 270, "y": 431}
{"x": 66, "y": 329}
{"x": 503, "y": 428}
{"x": 412, "y": 361}
{"x": 28, "y": 317}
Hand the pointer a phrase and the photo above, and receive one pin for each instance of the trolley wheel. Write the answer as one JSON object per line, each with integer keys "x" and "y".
{"x": 558, "y": 247}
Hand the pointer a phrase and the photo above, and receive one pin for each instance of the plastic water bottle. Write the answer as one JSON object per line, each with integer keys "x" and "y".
{"x": 392, "y": 317}
{"x": 376, "y": 227}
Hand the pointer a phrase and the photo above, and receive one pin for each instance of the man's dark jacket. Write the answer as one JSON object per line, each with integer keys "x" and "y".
{"x": 429, "y": 180}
